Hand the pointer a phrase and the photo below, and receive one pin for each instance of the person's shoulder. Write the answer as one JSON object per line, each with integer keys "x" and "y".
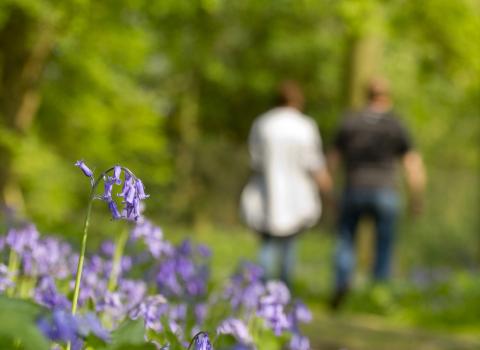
{"x": 349, "y": 118}
{"x": 270, "y": 114}
{"x": 265, "y": 117}
{"x": 394, "y": 118}
{"x": 270, "y": 120}
{"x": 306, "y": 119}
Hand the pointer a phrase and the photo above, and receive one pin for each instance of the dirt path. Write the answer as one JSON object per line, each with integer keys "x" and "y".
{"x": 371, "y": 333}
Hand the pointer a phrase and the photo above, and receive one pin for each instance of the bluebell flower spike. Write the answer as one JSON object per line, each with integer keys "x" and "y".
{"x": 133, "y": 190}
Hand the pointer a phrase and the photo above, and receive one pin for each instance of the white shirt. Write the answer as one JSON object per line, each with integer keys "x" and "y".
{"x": 285, "y": 149}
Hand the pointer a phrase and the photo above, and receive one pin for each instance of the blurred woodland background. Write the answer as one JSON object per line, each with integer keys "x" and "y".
{"x": 169, "y": 88}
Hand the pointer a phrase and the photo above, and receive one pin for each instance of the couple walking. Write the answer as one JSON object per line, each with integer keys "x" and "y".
{"x": 290, "y": 175}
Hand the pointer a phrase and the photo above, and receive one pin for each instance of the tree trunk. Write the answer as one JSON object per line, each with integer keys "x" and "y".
{"x": 363, "y": 62}
{"x": 25, "y": 44}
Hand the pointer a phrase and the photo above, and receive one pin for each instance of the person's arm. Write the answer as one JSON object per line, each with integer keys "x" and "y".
{"x": 416, "y": 179}
{"x": 324, "y": 181}
{"x": 333, "y": 160}
{"x": 315, "y": 162}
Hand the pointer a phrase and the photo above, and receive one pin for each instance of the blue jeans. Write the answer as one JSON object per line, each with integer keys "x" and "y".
{"x": 380, "y": 204}
{"x": 277, "y": 257}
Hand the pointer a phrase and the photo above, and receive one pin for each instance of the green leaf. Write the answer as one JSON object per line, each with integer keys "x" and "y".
{"x": 94, "y": 342}
{"x": 129, "y": 336}
{"x": 24, "y": 307}
{"x": 17, "y": 325}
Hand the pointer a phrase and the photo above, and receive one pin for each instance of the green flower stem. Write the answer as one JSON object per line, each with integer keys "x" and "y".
{"x": 13, "y": 270}
{"x": 117, "y": 259}
{"x": 26, "y": 285}
{"x": 254, "y": 328}
{"x": 81, "y": 258}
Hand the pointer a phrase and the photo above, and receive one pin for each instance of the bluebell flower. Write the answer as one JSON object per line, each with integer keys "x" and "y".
{"x": 5, "y": 279}
{"x": 46, "y": 294}
{"x": 278, "y": 292}
{"x": 133, "y": 292}
{"x": 272, "y": 306}
{"x": 50, "y": 258}
{"x": 185, "y": 248}
{"x": 111, "y": 304}
{"x": 245, "y": 287}
{"x": 108, "y": 187}
{"x": 132, "y": 192}
{"x": 237, "y": 329}
{"x": 86, "y": 170}
{"x": 299, "y": 342}
{"x": 152, "y": 236}
{"x": 61, "y": 325}
{"x": 140, "y": 189}
{"x": 126, "y": 263}
{"x": 94, "y": 279}
{"x": 90, "y": 324}
{"x": 107, "y": 248}
{"x": 151, "y": 310}
{"x": 166, "y": 278}
{"x": 202, "y": 342}
{"x": 130, "y": 195}
{"x": 112, "y": 206}
{"x": 274, "y": 315}
{"x": 204, "y": 251}
{"x": 301, "y": 313}
{"x": 126, "y": 185}
{"x": 200, "y": 311}
{"x": 117, "y": 170}
{"x": 183, "y": 273}
{"x": 178, "y": 312}
{"x": 77, "y": 344}
{"x": 22, "y": 239}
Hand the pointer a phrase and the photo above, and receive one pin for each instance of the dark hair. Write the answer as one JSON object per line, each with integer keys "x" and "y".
{"x": 289, "y": 92}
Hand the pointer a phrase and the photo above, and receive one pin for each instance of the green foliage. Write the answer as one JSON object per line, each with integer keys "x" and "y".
{"x": 130, "y": 335}
{"x": 449, "y": 304}
{"x": 17, "y": 325}
{"x": 171, "y": 88}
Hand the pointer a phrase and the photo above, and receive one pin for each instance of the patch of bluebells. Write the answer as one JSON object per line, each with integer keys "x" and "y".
{"x": 63, "y": 327}
{"x": 171, "y": 294}
{"x": 39, "y": 257}
{"x": 249, "y": 297}
{"x": 237, "y": 328}
{"x": 183, "y": 274}
{"x": 151, "y": 236}
{"x": 47, "y": 294}
{"x": 166, "y": 286}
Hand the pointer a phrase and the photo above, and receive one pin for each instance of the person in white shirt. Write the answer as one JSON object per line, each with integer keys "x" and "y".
{"x": 281, "y": 198}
